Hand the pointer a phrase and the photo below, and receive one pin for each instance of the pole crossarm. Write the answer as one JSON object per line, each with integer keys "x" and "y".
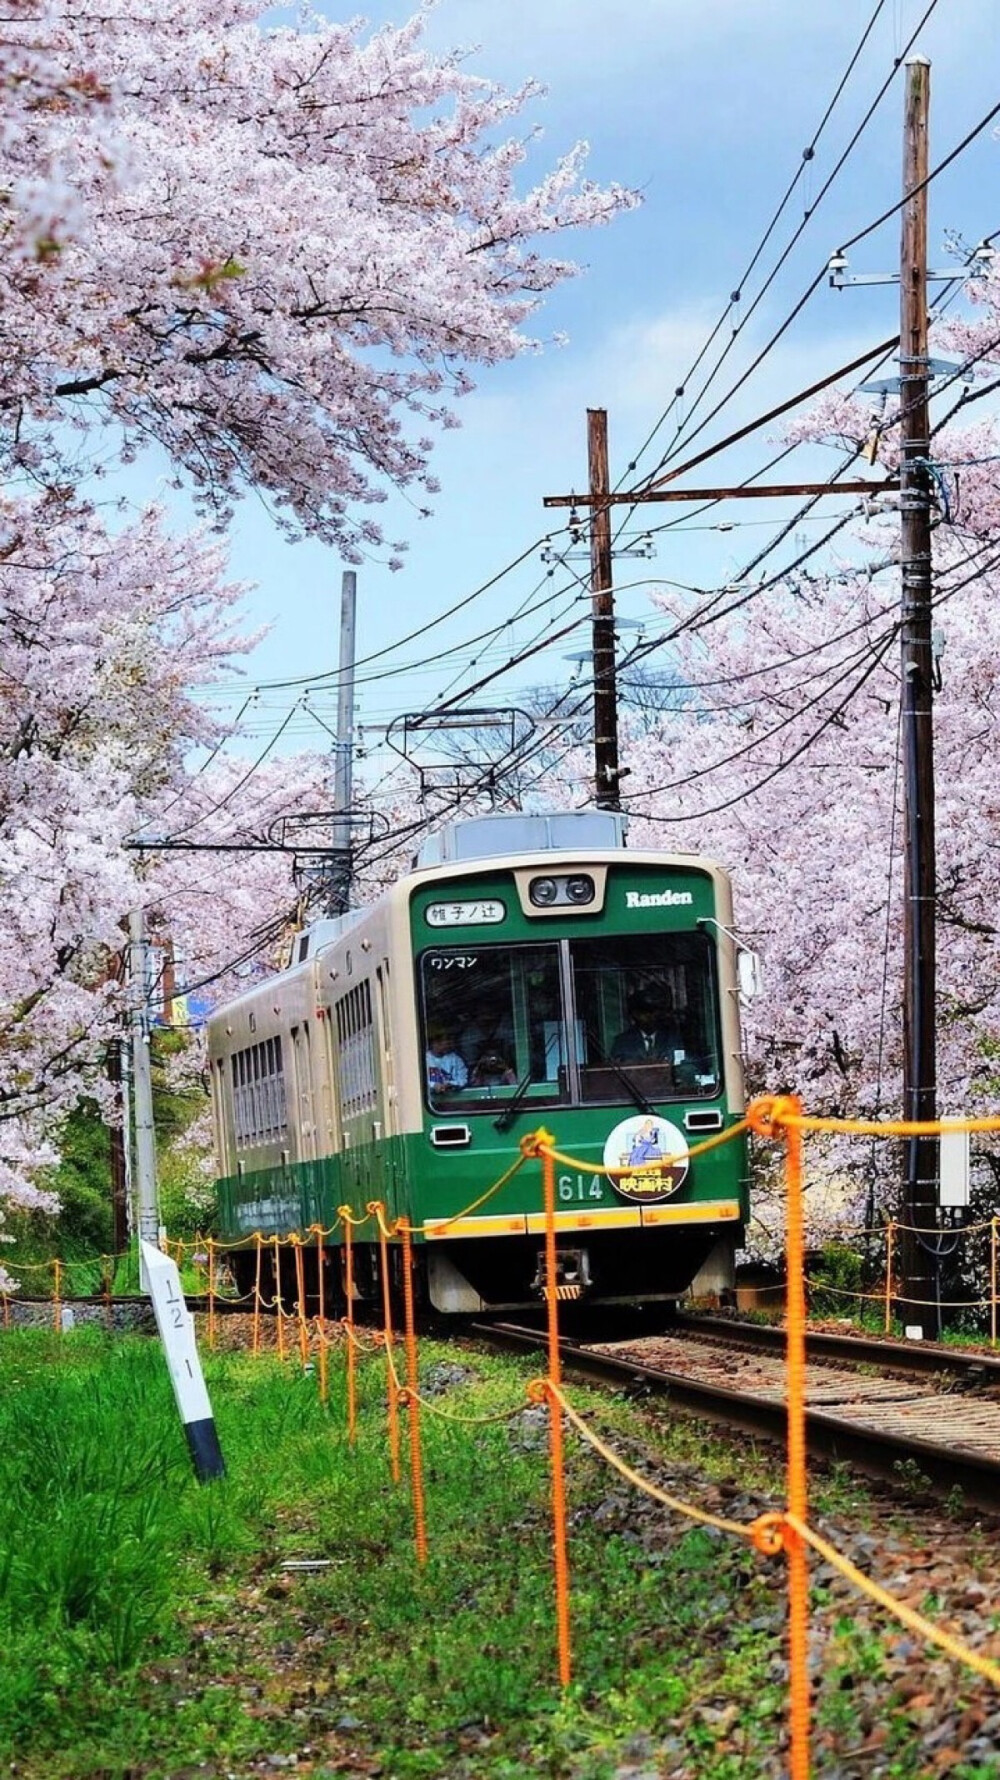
{"x": 743, "y": 432}
{"x": 742, "y": 492}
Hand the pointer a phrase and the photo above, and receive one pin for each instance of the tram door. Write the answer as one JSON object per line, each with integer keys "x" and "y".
{"x": 303, "y": 1089}
{"x": 390, "y": 1110}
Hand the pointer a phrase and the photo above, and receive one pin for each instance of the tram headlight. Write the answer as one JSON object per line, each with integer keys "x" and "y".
{"x": 543, "y": 892}
{"x": 579, "y": 890}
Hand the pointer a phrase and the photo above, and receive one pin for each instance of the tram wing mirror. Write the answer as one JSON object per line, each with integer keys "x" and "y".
{"x": 749, "y": 976}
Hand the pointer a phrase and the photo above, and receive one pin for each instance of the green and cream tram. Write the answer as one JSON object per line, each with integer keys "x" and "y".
{"x": 530, "y": 971}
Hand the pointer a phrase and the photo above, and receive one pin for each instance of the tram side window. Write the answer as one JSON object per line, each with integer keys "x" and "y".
{"x": 260, "y": 1112}
{"x": 492, "y": 1024}
{"x": 648, "y": 1008}
{"x": 356, "y": 1051}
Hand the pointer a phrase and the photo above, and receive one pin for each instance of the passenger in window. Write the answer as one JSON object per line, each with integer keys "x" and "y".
{"x": 651, "y": 1036}
{"x": 492, "y": 1070}
{"x": 445, "y": 1067}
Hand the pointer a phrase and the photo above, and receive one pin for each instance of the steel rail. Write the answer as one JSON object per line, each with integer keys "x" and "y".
{"x": 896, "y": 1356}
{"x": 876, "y": 1452}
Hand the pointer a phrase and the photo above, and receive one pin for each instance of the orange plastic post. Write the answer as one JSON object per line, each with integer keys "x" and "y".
{"x": 321, "y": 1287}
{"x": 278, "y": 1307}
{"x": 890, "y": 1230}
{"x": 413, "y": 1402}
{"x": 256, "y": 1290}
{"x": 795, "y": 1547}
{"x": 300, "y": 1287}
{"x": 57, "y": 1297}
{"x": 387, "y": 1318}
{"x": 555, "y": 1425}
{"x": 352, "y": 1403}
{"x": 211, "y": 1293}
{"x": 993, "y": 1282}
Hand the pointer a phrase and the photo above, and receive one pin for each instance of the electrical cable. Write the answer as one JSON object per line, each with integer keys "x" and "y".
{"x": 829, "y": 720}
{"x": 808, "y": 155}
{"x": 334, "y": 674}
{"x": 855, "y": 138}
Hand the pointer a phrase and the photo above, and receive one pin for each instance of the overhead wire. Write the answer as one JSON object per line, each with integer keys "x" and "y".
{"x": 778, "y": 334}
{"x": 883, "y": 642}
{"x": 808, "y": 155}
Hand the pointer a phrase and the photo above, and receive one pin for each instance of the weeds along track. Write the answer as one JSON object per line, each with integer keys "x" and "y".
{"x": 889, "y": 1409}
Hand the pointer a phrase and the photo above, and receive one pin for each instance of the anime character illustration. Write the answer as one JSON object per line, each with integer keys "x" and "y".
{"x": 646, "y": 1145}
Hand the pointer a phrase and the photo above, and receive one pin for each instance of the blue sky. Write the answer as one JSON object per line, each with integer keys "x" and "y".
{"x": 706, "y": 108}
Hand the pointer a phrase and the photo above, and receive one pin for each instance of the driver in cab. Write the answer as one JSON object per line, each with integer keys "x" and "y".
{"x": 649, "y": 1037}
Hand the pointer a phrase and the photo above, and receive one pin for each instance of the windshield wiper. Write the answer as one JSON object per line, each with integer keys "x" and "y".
{"x": 632, "y": 1088}
{"x": 514, "y": 1105}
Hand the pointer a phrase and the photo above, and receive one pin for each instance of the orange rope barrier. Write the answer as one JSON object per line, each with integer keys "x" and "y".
{"x": 211, "y": 1293}
{"x": 391, "y": 1388}
{"x": 663, "y": 1163}
{"x": 554, "y": 1382}
{"x": 434, "y": 1226}
{"x": 255, "y": 1345}
{"x": 772, "y": 1109}
{"x": 908, "y": 1616}
{"x": 413, "y": 1402}
{"x": 352, "y": 1405}
{"x": 739, "y": 1529}
{"x": 278, "y": 1307}
{"x": 798, "y": 1577}
{"x": 890, "y": 1231}
{"x": 321, "y": 1287}
{"x": 300, "y": 1306}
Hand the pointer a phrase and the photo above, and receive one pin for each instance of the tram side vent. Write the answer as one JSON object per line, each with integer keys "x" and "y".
{"x": 450, "y": 1137}
{"x": 709, "y": 1120}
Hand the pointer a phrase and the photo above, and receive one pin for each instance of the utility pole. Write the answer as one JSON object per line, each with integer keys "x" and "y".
{"x": 600, "y": 499}
{"x": 118, "y": 1143}
{"x": 920, "y": 1188}
{"x": 607, "y": 773}
{"x": 339, "y": 877}
{"x": 142, "y": 1084}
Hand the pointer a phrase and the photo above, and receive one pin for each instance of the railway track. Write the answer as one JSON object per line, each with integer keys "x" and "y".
{"x": 888, "y": 1408}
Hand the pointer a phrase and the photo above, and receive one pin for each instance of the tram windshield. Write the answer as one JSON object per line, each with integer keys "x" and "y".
{"x": 626, "y": 1018}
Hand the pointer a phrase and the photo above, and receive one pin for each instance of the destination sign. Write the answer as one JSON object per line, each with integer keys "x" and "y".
{"x": 465, "y": 914}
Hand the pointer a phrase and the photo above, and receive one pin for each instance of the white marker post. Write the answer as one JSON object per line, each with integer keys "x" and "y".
{"x": 176, "y": 1326}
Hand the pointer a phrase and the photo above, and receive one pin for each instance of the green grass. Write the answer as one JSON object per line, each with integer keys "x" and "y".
{"x": 149, "y": 1633}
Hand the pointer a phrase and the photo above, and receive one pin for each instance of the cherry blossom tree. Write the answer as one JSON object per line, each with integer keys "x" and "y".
{"x": 276, "y": 251}
{"x": 101, "y": 635}
{"x": 277, "y": 254}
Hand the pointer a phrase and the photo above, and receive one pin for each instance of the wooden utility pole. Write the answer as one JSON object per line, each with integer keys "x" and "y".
{"x": 920, "y": 1189}
{"x": 607, "y": 772}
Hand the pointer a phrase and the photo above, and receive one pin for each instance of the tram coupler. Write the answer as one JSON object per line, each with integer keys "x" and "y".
{"x": 572, "y": 1270}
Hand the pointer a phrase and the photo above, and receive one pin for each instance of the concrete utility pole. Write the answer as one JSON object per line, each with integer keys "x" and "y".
{"x": 920, "y": 1189}
{"x": 339, "y": 879}
{"x": 142, "y": 1084}
{"x": 118, "y": 1145}
{"x": 607, "y": 773}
